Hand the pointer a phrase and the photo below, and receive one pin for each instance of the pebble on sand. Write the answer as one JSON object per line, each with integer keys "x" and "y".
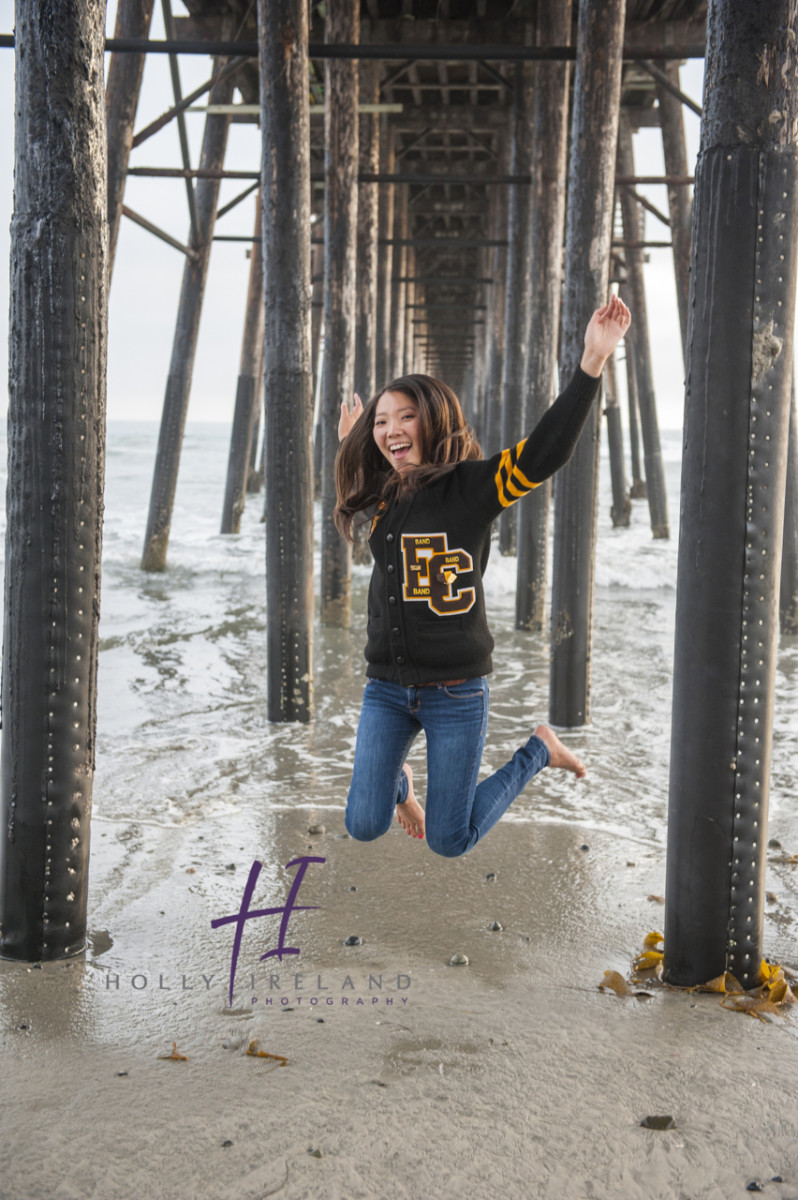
{"x": 663, "y": 1122}
{"x": 458, "y": 960}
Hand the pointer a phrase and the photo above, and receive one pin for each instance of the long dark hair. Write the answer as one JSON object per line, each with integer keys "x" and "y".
{"x": 364, "y": 479}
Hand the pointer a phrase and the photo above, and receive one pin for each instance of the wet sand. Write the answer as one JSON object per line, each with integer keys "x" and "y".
{"x": 512, "y": 1076}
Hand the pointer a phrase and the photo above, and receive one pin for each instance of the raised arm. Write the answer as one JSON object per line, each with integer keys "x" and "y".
{"x": 518, "y": 469}
{"x": 604, "y": 330}
{"x": 347, "y": 418}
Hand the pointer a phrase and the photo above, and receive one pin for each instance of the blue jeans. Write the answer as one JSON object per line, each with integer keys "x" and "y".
{"x": 454, "y": 717}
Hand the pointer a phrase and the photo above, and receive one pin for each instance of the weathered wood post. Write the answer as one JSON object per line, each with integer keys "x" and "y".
{"x": 652, "y": 453}
{"x": 621, "y": 509}
{"x": 342, "y": 24}
{"x": 518, "y": 286}
{"x": 125, "y": 71}
{"x": 788, "y": 594}
{"x": 591, "y": 200}
{"x": 385, "y": 256}
{"x": 547, "y": 226}
{"x": 734, "y": 462}
{"x": 56, "y": 456}
{"x": 184, "y": 346}
{"x": 680, "y": 204}
{"x": 248, "y": 397}
{"x": 285, "y": 190}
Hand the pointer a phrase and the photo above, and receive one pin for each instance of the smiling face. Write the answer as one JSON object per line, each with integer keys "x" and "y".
{"x": 397, "y": 430}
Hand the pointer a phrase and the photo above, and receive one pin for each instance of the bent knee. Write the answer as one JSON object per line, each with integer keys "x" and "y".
{"x": 448, "y": 847}
{"x": 362, "y": 828}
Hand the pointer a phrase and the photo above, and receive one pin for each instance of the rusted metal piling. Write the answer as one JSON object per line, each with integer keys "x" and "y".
{"x": 621, "y": 509}
{"x": 288, "y": 451}
{"x": 56, "y": 455}
{"x": 652, "y": 452}
{"x": 248, "y": 398}
{"x": 733, "y": 478}
{"x": 546, "y": 240}
{"x": 340, "y": 244}
{"x": 591, "y": 200}
{"x": 125, "y": 72}
{"x": 518, "y": 286}
{"x": 680, "y": 202}
{"x": 184, "y": 346}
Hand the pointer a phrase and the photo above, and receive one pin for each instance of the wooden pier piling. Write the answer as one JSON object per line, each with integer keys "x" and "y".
{"x": 288, "y": 449}
{"x": 248, "y": 396}
{"x": 652, "y": 452}
{"x": 518, "y": 286}
{"x": 591, "y": 201}
{"x": 733, "y": 478}
{"x": 547, "y": 228}
{"x": 56, "y": 456}
{"x": 621, "y": 509}
{"x": 184, "y": 346}
{"x": 122, "y": 89}
{"x": 680, "y": 204}
{"x": 340, "y": 245}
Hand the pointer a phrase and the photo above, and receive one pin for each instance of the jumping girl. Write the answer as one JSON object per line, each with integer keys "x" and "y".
{"x": 409, "y": 459}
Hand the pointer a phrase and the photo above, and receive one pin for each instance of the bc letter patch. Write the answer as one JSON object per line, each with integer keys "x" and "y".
{"x": 431, "y": 571}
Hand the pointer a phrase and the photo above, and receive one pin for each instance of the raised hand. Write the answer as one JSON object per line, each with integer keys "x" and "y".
{"x": 605, "y": 329}
{"x": 348, "y": 418}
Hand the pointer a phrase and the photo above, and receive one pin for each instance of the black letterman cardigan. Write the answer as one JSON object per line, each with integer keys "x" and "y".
{"x": 426, "y": 608}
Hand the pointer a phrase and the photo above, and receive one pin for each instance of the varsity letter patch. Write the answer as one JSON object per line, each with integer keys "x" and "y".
{"x": 431, "y": 571}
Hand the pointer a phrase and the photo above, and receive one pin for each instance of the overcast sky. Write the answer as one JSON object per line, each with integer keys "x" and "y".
{"x": 147, "y": 273}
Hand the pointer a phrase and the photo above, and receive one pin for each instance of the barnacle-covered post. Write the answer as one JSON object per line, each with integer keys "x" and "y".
{"x": 56, "y": 451}
{"x": 591, "y": 200}
{"x": 184, "y": 345}
{"x": 745, "y": 227}
{"x": 652, "y": 452}
{"x": 248, "y": 397}
{"x": 547, "y": 227}
{"x": 125, "y": 71}
{"x": 288, "y": 448}
{"x": 342, "y": 24}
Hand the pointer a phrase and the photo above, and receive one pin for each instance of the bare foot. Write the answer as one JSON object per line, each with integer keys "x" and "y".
{"x": 561, "y": 756}
{"x": 410, "y": 815}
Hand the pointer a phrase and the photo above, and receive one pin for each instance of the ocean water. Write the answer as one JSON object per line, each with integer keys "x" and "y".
{"x": 182, "y": 732}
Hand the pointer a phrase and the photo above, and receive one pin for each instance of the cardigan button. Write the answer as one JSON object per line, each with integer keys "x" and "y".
{"x": 392, "y": 599}
{"x": 390, "y": 568}
{"x": 389, "y": 537}
{"x": 400, "y": 662}
{"x": 396, "y": 631}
